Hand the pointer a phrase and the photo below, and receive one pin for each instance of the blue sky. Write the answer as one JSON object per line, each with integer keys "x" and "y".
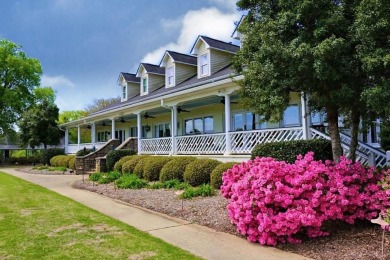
{"x": 84, "y": 44}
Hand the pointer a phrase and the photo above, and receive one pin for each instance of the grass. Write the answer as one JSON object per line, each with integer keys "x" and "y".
{"x": 36, "y": 223}
{"x": 204, "y": 190}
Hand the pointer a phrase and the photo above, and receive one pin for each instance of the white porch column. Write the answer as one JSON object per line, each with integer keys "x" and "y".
{"x": 93, "y": 134}
{"x": 174, "y": 128}
{"x": 228, "y": 149}
{"x": 66, "y": 141}
{"x": 305, "y": 117}
{"x": 113, "y": 128}
{"x": 139, "y": 132}
{"x": 78, "y": 136}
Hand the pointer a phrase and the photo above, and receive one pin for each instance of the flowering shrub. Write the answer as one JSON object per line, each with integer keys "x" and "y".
{"x": 272, "y": 201}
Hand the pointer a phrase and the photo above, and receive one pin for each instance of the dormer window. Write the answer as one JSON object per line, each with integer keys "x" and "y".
{"x": 124, "y": 93}
{"x": 144, "y": 82}
{"x": 204, "y": 65}
{"x": 170, "y": 77}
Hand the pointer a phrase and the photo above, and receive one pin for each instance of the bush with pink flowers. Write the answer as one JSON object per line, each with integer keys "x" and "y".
{"x": 274, "y": 202}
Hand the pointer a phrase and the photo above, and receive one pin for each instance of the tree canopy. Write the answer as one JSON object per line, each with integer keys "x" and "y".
{"x": 324, "y": 48}
{"x": 101, "y": 103}
{"x": 19, "y": 75}
{"x": 38, "y": 125}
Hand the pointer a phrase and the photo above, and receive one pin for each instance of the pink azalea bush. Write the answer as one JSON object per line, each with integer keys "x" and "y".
{"x": 272, "y": 201}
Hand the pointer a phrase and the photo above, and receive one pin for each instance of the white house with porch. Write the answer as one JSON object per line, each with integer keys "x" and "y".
{"x": 187, "y": 105}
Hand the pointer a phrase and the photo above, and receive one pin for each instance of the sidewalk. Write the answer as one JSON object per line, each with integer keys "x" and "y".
{"x": 201, "y": 241}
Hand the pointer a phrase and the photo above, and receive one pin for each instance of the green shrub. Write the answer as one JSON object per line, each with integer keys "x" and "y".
{"x": 139, "y": 168}
{"x": 130, "y": 181}
{"x": 216, "y": 174}
{"x": 114, "y": 156}
{"x": 205, "y": 190}
{"x": 84, "y": 152}
{"x": 72, "y": 163}
{"x": 171, "y": 184}
{"x": 108, "y": 177}
{"x": 156, "y": 185}
{"x": 175, "y": 168}
{"x": 22, "y": 160}
{"x": 153, "y": 166}
{"x": 47, "y": 154}
{"x": 118, "y": 165}
{"x": 129, "y": 166}
{"x": 198, "y": 171}
{"x": 61, "y": 160}
{"x": 95, "y": 176}
{"x": 288, "y": 151}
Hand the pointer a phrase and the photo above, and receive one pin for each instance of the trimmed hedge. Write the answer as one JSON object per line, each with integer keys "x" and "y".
{"x": 198, "y": 171}
{"x": 153, "y": 166}
{"x": 216, "y": 174}
{"x": 61, "y": 160}
{"x": 72, "y": 163}
{"x": 114, "y": 156}
{"x": 118, "y": 165}
{"x": 288, "y": 151}
{"x": 129, "y": 166}
{"x": 47, "y": 154}
{"x": 22, "y": 160}
{"x": 139, "y": 168}
{"x": 175, "y": 168}
{"x": 84, "y": 152}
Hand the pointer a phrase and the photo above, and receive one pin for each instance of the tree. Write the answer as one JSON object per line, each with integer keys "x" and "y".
{"x": 19, "y": 75}
{"x": 305, "y": 46}
{"x": 67, "y": 116}
{"x": 44, "y": 93}
{"x": 38, "y": 125}
{"x": 99, "y": 104}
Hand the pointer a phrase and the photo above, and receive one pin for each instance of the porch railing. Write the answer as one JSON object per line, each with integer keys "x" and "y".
{"x": 73, "y": 148}
{"x": 244, "y": 141}
{"x": 156, "y": 145}
{"x": 201, "y": 144}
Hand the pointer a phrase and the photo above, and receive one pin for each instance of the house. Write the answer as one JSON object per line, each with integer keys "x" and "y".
{"x": 187, "y": 105}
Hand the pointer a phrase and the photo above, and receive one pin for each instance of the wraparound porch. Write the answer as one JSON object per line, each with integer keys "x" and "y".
{"x": 240, "y": 142}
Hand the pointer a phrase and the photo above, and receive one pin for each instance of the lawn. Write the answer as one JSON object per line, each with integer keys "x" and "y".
{"x": 36, "y": 223}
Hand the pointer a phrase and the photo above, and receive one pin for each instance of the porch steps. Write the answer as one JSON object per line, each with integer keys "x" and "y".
{"x": 365, "y": 153}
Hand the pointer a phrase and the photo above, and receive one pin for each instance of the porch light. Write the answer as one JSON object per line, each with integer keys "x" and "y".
{"x": 147, "y": 128}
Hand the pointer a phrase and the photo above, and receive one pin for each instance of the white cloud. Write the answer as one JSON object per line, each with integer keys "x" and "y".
{"x": 207, "y": 21}
{"x": 56, "y": 82}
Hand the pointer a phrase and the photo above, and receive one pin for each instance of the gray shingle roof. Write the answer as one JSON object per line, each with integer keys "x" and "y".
{"x": 220, "y": 45}
{"x": 129, "y": 77}
{"x": 183, "y": 58}
{"x": 188, "y": 84}
{"x": 153, "y": 69}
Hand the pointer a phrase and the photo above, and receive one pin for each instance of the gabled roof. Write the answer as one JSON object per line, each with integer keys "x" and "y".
{"x": 129, "y": 77}
{"x": 151, "y": 69}
{"x": 179, "y": 58}
{"x": 216, "y": 44}
{"x": 192, "y": 82}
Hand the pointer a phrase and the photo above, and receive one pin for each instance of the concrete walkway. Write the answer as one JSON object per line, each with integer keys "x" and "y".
{"x": 199, "y": 240}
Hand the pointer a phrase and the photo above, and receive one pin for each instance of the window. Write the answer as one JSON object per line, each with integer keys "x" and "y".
{"x": 103, "y": 136}
{"x": 133, "y": 131}
{"x": 204, "y": 125}
{"x": 144, "y": 83}
{"x": 291, "y": 116}
{"x": 124, "y": 93}
{"x": 243, "y": 121}
{"x": 162, "y": 130}
{"x": 170, "y": 77}
{"x": 204, "y": 65}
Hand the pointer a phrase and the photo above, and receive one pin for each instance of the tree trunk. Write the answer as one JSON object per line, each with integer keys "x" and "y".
{"x": 355, "y": 121}
{"x": 332, "y": 116}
